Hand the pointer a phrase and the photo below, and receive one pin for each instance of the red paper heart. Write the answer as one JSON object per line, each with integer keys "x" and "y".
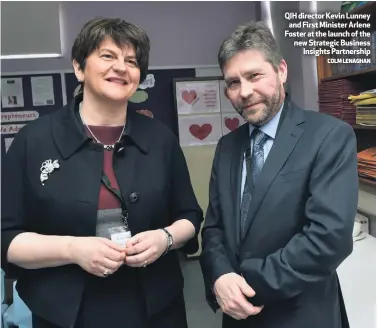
{"x": 201, "y": 132}
{"x": 232, "y": 123}
{"x": 189, "y": 96}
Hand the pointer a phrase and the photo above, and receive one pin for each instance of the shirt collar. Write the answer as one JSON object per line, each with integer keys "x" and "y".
{"x": 270, "y": 128}
{"x": 70, "y": 135}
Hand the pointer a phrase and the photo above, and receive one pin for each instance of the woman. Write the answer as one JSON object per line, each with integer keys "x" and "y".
{"x": 96, "y": 199}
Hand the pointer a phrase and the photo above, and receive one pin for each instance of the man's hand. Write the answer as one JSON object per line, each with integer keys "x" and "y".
{"x": 230, "y": 290}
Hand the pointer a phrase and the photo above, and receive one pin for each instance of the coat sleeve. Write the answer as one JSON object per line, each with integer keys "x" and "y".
{"x": 213, "y": 260}
{"x": 183, "y": 201}
{"x": 326, "y": 239}
{"x": 13, "y": 186}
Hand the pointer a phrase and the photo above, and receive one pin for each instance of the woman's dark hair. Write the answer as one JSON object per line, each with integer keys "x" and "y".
{"x": 121, "y": 32}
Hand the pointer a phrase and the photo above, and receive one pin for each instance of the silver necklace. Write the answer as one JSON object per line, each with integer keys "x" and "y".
{"x": 106, "y": 147}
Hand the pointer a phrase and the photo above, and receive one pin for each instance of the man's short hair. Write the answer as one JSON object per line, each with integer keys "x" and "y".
{"x": 251, "y": 36}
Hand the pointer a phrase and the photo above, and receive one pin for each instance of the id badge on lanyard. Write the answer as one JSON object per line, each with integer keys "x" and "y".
{"x": 119, "y": 234}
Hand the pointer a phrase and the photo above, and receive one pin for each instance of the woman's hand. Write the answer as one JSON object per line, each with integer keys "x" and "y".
{"x": 96, "y": 255}
{"x": 145, "y": 248}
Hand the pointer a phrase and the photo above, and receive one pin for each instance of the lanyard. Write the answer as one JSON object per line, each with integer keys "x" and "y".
{"x": 249, "y": 179}
{"x": 117, "y": 193}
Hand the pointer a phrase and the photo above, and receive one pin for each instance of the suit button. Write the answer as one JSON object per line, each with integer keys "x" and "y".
{"x": 134, "y": 197}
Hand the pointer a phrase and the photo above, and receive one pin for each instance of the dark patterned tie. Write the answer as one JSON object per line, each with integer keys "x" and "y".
{"x": 257, "y": 161}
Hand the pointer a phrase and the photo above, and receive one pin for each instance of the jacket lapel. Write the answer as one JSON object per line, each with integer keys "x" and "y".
{"x": 286, "y": 139}
{"x": 242, "y": 138}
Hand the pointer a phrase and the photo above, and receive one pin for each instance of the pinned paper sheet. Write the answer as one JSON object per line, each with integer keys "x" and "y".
{"x": 199, "y": 130}
{"x": 8, "y": 142}
{"x": 21, "y": 116}
{"x": 42, "y": 89}
{"x": 196, "y": 97}
{"x": 11, "y": 128}
{"x": 230, "y": 122}
{"x": 12, "y": 94}
{"x": 226, "y": 105}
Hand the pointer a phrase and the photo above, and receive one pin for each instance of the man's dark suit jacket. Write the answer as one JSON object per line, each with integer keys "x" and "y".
{"x": 300, "y": 221}
{"x": 151, "y": 164}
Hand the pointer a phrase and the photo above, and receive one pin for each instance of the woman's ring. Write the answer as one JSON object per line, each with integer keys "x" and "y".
{"x": 106, "y": 272}
{"x": 145, "y": 262}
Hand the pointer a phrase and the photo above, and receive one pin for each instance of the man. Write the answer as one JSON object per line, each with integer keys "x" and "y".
{"x": 283, "y": 198}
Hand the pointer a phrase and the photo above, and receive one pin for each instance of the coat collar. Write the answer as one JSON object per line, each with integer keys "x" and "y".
{"x": 69, "y": 132}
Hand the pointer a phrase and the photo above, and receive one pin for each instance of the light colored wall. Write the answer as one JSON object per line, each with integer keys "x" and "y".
{"x": 199, "y": 160}
{"x": 30, "y": 27}
{"x": 182, "y": 33}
